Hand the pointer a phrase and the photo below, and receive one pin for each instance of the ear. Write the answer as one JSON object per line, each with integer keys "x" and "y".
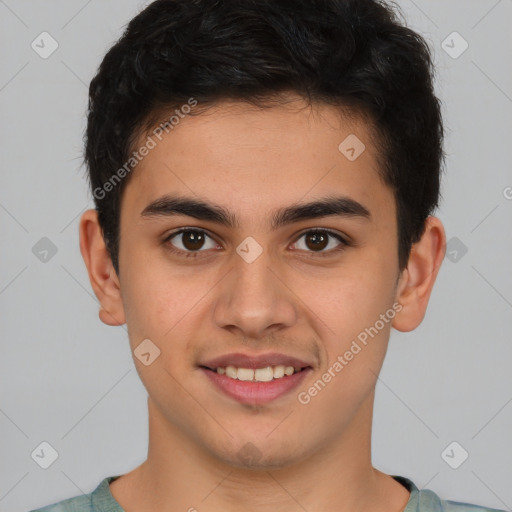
{"x": 417, "y": 280}
{"x": 102, "y": 275}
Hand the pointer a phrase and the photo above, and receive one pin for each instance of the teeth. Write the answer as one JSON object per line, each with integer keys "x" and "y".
{"x": 278, "y": 372}
{"x": 259, "y": 375}
{"x": 264, "y": 374}
{"x": 231, "y": 372}
{"x": 245, "y": 374}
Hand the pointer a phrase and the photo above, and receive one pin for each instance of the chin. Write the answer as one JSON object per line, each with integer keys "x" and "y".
{"x": 258, "y": 454}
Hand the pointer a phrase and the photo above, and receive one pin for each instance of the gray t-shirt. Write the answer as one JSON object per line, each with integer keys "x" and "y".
{"x": 101, "y": 500}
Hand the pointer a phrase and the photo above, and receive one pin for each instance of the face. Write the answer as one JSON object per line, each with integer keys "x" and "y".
{"x": 253, "y": 282}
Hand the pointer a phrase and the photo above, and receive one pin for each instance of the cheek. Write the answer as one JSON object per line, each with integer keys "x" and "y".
{"x": 351, "y": 297}
{"x": 156, "y": 308}
{"x": 350, "y": 308}
{"x": 152, "y": 297}
{"x": 166, "y": 305}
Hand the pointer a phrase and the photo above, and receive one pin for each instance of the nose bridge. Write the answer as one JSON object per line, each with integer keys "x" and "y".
{"x": 252, "y": 279}
{"x": 252, "y": 298}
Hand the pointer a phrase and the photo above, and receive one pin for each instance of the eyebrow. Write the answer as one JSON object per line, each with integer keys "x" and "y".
{"x": 170, "y": 205}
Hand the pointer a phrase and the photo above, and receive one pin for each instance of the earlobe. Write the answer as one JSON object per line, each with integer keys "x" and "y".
{"x": 102, "y": 275}
{"x": 417, "y": 280}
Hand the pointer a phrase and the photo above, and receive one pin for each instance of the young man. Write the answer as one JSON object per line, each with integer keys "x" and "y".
{"x": 264, "y": 174}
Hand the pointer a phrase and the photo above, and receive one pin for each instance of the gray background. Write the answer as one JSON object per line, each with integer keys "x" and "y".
{"x": 68, "y": 379}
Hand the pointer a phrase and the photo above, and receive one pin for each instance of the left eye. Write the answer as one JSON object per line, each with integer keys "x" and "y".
{"x": 317, "y": 240}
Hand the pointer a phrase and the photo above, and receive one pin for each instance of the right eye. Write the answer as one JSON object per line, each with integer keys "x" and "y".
{"x": 190, "y": 242}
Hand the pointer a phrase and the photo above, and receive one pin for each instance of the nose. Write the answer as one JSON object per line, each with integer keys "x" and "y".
{"x": 254, "y": 298}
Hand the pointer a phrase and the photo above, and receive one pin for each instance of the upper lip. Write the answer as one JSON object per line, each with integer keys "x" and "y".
{"x": 240, "y": 360}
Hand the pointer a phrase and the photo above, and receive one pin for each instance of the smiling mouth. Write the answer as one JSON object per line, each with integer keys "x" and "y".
{"x": 256, "y": 386}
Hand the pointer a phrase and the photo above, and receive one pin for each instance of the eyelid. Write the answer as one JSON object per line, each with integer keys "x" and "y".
{"x": 333, "y": 233}
{"x": 184, "y": 229}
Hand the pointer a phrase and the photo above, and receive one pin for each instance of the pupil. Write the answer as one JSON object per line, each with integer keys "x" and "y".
{"x": 193, "y": 240}
{"x": 316, "y": 240}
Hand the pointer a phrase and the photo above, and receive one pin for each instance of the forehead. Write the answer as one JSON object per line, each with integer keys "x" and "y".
{"x": 253, "y": 160}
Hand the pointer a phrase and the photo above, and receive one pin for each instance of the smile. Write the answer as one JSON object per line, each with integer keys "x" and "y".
{"x": 256, "y": 386}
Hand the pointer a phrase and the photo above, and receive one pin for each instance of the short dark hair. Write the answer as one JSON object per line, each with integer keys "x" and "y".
{"x": 355, "y": 54}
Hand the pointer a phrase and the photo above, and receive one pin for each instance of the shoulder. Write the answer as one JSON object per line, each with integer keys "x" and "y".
{"x": 98, "y": 500}
{"x": 81, "y": 503}
{"x": 430, "y": 501}
{"x": 77, "y": 504}
{"x": 425, "y": 500}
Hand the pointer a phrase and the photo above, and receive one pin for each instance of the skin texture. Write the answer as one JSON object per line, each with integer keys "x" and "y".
{"x": 290, "y": 300}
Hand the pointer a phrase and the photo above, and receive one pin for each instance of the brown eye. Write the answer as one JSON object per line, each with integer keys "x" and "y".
{"x": 317, "y": 240}
{"x": 190, "y": 240}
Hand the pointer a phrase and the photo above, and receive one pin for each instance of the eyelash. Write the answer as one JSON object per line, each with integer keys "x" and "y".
{"x": 194, "y": 254}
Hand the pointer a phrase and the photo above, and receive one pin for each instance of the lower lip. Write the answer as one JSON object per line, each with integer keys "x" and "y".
{"x": 255, "y": 393}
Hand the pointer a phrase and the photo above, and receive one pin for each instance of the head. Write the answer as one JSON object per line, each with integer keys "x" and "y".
{"x": 245, "y": 108}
